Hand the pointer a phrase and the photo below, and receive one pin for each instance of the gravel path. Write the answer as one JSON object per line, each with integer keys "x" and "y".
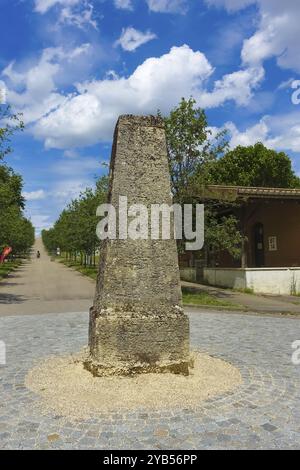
{"x": 42, "y": 286}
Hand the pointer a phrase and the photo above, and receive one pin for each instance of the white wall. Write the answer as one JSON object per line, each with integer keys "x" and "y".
{"x": 233, "y": 278}
{"x": 283, "y": 281}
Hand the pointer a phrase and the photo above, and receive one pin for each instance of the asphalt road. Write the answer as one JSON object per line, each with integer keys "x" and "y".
{"x": 44, "y": 286}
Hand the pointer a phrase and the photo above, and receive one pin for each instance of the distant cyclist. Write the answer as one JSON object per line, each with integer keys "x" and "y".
{"x": 38, "y": 254}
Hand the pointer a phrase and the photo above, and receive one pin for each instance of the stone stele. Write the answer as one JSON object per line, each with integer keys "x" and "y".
{"x": 137, "y": 324}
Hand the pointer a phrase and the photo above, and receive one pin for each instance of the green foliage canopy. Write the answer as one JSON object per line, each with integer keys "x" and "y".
{"x": 9, "y": 124}
{"x": 15, "y": 230}
{"x": 191, "y": 148}
{"x": 255, "y": 165}
{"x": 75, "y": 229}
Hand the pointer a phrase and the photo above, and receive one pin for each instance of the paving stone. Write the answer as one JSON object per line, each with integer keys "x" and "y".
{"x": 261, "y": 414}
{"x": 269, "y": 427}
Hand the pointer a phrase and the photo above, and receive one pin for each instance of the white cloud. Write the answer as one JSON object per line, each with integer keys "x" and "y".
{"x": 78, "y": 13}
{"x": 123, "y": 4}
{"x": 34, "y": 195}
{"x": 284, "y": 131}
{"x": 88, "y": 115}
{"x": 286, "y": 84}
{"x": 67, "y": 189}
{"x": 237, "y": 86}
{"x": 231, "y": 5}
{"x": 280, "y": 132}
{"x": 67, "y": 177}
{"x": 40, "y": 222}
{"x": 79, "y": 18}
{"x": 38, "y": 95}
{"x": 252, "y": 135}
{"x": 277, "y": 35}
{"x": 42, "y": 6}
{"x": 71, "y": 153}
{"x": 168, "y": 6}
{"x": 131, "y": 38}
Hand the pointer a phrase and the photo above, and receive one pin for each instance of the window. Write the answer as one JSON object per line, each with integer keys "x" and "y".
{"x": 272, "y": 243}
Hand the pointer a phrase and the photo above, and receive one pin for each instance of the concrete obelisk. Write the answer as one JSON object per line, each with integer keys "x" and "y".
{"x": 137, "y": 323}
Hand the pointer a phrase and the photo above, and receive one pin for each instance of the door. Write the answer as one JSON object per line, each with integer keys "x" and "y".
{"x": 259, "y": 248}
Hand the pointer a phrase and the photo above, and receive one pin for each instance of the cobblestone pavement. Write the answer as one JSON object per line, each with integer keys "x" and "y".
{"x": 263, "y": 413}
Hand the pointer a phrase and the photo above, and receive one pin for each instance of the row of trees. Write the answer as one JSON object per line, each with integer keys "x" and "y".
{"x": 75, "y": 230}
{"x": 15, "y": 230}
{"x": 196, "y": 158}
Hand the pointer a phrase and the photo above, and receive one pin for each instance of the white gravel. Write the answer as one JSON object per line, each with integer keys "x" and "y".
{"x": 67, "y": 389}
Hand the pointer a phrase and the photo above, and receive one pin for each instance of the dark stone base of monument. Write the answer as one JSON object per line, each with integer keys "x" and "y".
{"x": 129, "y": 344}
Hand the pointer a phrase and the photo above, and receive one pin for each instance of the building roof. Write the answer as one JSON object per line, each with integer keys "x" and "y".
{"x": 234, "y": 193}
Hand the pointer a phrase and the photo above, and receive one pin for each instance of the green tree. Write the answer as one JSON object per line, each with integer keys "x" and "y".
{"x": 10, "y": 188}
{"x": 222, "y": 233}
{"x": 75, "y": 229}
{"x": 255, "y": 165}
{"x": 9, "y": 124}
{"x": 191, "y": 148}
{"x": 49, "y": 239}
{"x": 15, "y": 230}
{"x": 192, "y": 152}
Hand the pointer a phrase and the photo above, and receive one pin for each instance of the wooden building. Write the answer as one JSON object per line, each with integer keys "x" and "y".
{"x": 270, "y": 221}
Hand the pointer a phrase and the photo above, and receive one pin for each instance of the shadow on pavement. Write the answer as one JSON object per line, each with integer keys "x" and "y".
{"x": 11, "y": 299}
{"x": 7, "y": 281}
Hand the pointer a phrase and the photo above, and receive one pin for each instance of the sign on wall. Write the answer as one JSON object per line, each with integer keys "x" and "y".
{"x": 273, "y": 243}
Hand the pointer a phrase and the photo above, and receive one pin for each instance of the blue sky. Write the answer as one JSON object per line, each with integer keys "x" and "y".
{"x": 72, "y": 66}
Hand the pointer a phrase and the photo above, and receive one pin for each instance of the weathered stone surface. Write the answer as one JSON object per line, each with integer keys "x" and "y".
{"x": 137, "y": 323}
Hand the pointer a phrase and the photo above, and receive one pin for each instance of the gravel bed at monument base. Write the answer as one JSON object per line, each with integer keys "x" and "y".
{"x": 69, "y": 390}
